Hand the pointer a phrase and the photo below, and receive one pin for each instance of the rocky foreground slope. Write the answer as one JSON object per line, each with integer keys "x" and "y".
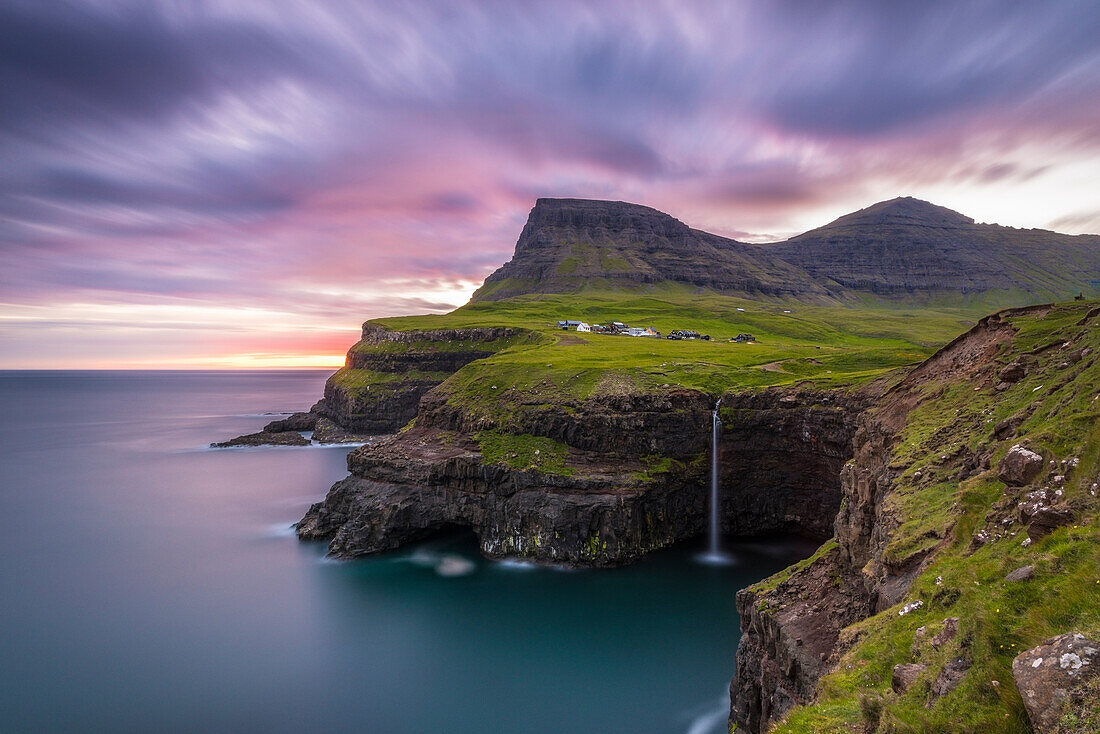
{"x": 967, "y": 534}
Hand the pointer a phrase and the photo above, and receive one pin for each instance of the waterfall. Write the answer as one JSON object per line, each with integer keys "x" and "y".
{"x": 715, "y": 525}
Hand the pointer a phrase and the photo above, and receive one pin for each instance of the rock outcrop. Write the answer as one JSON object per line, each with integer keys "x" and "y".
{"x": 265, "y": 438}
{"x": 1019, "y": 466}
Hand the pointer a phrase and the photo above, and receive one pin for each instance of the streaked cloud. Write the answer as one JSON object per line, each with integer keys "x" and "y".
{"x": 312, "y": 164}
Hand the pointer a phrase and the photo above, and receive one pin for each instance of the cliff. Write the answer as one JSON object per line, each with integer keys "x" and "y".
{"x": 387, "y": 372}
{"x": 599, "y": 481}
{"x": 903, "y": 619}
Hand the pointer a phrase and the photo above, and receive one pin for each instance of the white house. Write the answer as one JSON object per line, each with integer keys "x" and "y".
{"x": 583, "y": 327}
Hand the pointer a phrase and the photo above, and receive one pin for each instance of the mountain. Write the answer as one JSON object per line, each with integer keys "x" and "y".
{"x": 904, "y": 249}
{"x": 571, "y": 243}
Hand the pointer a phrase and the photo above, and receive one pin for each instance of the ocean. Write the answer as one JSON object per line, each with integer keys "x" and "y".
{"x": 150, "y": 583}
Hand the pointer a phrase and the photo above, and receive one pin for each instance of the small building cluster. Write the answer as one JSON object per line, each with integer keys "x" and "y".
{"x": 616, "y": 328}
{"x": 682, "y": 334}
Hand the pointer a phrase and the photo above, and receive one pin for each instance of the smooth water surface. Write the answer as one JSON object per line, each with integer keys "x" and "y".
{"x": 148, "y": 583}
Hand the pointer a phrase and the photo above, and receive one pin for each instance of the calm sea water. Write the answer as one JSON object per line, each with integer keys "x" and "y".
{"x": 150, "y": 584}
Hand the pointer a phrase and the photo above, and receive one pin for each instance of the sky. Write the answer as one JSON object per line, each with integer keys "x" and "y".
{"x": 217, "y": 183}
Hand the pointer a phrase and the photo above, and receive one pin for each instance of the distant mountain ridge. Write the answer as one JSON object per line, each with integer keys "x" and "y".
{"x": 904, "y": 249}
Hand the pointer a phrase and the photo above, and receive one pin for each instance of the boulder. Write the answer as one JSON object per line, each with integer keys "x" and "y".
{"x": 905, "y": 675}
{"x": 1049, "y": 674}
{"x": 950, "y": 629}
{"x": 1019, "y": 466}
{"x": 950, "y": 677}
{"x": 1023, "y": 573}
{"x": 1048, "y": 519}
{"x": 1013, "y": 373}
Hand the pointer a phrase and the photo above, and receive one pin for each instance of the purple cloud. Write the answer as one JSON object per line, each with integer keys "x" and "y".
{"x": 345, "y": 159}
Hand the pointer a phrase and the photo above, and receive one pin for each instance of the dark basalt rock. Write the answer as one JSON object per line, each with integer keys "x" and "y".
{"x": 265, "y": 438}
{"x": 296, "y": 422}
{"x": 325, "y": 431}
{"x": 1019, "y": 466}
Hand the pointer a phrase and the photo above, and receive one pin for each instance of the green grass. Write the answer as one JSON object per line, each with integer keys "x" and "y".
{"x": 827, "y": 347}
{"x": 522, "y": 451}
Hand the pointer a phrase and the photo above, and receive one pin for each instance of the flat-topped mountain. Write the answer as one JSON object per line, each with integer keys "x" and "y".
{"x": 902, "y": 249}
{"x": 571, "y": 243}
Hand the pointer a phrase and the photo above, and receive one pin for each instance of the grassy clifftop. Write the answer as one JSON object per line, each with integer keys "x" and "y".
{"x": 829, "y": 346}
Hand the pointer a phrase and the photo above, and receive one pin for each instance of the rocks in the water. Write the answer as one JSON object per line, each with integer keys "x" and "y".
{"x": 1049, "y": 675}
{"x": 1019, "y": 466}
{"x": 325, "y": 431}
{"x": 295, "y": 422}
{"x": 265, "y": 438}
{"x": 905, "y": 675}
{"x": 1023, "y": 573}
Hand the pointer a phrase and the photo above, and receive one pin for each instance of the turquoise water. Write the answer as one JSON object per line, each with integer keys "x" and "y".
{"x": 148, "y": 583}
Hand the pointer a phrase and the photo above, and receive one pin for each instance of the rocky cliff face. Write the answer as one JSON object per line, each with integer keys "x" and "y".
{"x": 387, "y": 372}
{"x": 633, "y": 477}
{"x": 793, "y": 625}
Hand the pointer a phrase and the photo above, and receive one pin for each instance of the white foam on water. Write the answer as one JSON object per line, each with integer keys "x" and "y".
{"x": 512, "y": 564}
{"x": 712, "y": 721}
{"x": 451, "y": 566}
{"x": 715, "y": 559}
{"x": 281, "y": 530}
{"x": 709, "y": 718}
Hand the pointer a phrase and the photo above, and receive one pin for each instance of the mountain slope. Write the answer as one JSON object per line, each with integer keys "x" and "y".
{"x": 903, "y": 250}
{"x": 906, "y": 247}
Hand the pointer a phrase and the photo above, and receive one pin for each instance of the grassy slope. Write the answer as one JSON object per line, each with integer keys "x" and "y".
{"x": 998, "y": 620}
{"x": 832, "y": 346}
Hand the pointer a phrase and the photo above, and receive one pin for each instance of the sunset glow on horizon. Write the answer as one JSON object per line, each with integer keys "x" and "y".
{"x": 238, "y": 184}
